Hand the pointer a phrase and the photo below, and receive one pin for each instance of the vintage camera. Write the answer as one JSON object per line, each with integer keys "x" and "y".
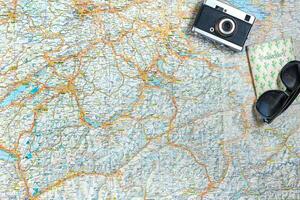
{"x": 224, "y": 24}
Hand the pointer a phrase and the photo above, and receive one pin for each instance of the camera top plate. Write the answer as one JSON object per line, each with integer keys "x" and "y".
{"x": 239, "y": 14}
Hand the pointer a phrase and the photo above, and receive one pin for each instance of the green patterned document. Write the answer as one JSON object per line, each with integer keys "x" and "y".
{"x": 266, "y": 60}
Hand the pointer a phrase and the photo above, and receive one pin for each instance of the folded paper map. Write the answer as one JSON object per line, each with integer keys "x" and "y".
{"x": 266, "y": 60}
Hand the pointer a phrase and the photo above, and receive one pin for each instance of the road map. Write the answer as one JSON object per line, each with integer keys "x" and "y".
{"x": 117, "y": 100}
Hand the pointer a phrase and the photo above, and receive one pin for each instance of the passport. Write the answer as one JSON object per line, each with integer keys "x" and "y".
{"x": 266, "y": 61}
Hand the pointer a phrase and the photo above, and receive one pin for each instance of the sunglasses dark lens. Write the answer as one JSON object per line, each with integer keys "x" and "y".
{"x": 290, "y": 75}
{"x": 271, "y": 102}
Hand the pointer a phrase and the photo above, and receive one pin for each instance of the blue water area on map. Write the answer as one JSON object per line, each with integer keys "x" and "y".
{"x": 91, "y": 122}
{"x": 35, "y": 191}
{"x": 6, "y": 156}
{"x": 155, "y": 81}
{"x": 250, "y": 8}
{"x": 28, "y": 156}
{"x": 34, "y": 90}
{"x": 13, "y": 95}
{"x": 188, "y": 54}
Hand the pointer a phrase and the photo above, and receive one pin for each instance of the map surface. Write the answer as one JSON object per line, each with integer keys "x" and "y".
{"x": 117, "y": 100}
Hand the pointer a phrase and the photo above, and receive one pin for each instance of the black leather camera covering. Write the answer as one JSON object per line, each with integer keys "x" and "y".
{"x": 208, "y": 17}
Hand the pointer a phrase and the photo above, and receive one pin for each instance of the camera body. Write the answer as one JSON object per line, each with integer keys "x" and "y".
{"x": 224, "y": 24}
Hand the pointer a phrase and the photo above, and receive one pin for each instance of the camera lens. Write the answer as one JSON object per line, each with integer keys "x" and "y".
{"x": 226, "y": 27}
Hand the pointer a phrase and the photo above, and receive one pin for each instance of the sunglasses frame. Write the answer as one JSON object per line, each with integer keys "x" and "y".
{"x": 292, "y": 95}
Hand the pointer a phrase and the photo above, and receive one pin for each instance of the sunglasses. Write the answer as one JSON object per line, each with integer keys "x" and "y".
{"x": 272, "y": 103}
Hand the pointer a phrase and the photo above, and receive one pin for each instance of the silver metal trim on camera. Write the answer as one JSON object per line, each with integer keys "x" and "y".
{"x": 230, "y": 10}
{"x": 230, "y": 44}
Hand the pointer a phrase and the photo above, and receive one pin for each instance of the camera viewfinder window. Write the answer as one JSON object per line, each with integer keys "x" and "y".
{"x": 247, "y": 18}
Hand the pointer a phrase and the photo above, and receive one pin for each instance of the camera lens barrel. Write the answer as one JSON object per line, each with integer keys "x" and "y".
{"x": 226, "y": 27}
